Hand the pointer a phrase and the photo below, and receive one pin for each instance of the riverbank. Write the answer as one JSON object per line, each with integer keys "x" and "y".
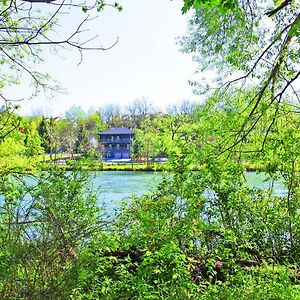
{"x": 150, "y": 167}
{"x": 108, "y": 166}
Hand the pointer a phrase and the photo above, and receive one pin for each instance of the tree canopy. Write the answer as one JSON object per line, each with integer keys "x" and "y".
{"x": 252, "y": 45}
{"x": 204, "y": 233}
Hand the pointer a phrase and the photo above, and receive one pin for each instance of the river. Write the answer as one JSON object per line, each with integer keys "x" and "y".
{"x": 114, "y": 185}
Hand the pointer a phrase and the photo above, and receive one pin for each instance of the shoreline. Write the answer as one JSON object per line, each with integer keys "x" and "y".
{"x": 136, "y": 167}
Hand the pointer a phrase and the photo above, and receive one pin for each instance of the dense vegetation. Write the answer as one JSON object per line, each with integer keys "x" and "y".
{"x": 201, "y": 234}
{"x": 77, "y": 134}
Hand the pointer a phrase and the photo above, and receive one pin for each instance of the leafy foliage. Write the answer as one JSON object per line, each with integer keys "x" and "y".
{"x": 203, "y": 233}
{"x": 251, "y": 45}
{"x": 44, "y": 224}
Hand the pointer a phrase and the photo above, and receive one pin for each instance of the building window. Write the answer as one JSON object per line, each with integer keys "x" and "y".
{"x": 118, "y": 146}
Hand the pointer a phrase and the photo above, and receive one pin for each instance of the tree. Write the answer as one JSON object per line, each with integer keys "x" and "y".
{"x": 141, "y": 106}
{"x": 111, "y": 114}
{"x": 94, "y": 124}
{"x": 47, "y": 130}
{"x": 138, "y": 111}
{"x": 82, "y": 141}
{"x": 75, "y": 113}
{"x": 45, "y": 227}
{"x": 185, "y": 107}
{"x": 43, "y": 131}
{"x": 67, "y": 132}
{"x": 9, "y": 122}
{"x": 32, "y": 141}
{"x": 25, "y": 32}
{"x": 252, "y": 45}
{"x": 20, "y": 142}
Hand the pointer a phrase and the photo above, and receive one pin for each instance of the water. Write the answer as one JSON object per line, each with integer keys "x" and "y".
{"x": 260, "y": 180}
{"x": 115, "y": 186}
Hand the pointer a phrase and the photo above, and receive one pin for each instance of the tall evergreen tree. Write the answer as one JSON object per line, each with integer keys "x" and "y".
{"x": 82, "y": 142}
{"x": 43, "y": 130}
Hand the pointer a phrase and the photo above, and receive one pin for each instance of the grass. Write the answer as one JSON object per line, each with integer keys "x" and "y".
{"x": 135, "y": 167}
{"x": 98, "y": 165}
{"x": 46, "y": 157}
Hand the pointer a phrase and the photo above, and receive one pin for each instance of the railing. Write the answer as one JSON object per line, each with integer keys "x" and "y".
{"x": 109, "y": 141}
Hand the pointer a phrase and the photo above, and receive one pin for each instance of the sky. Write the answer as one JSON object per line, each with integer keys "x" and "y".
{"x": 146, "y": 61}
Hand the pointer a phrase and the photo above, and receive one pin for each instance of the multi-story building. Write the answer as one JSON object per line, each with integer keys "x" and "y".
{"x": 116, "y": 143}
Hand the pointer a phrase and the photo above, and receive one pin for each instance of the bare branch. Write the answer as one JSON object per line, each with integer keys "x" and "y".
{"x": 277, "y": 9}
{"x": 23, "y": 31}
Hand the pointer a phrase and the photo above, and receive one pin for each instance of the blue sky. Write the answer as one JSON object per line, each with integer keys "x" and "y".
{"x": 146, "y": 62}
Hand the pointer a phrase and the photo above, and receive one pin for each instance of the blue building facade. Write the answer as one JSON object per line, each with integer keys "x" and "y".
{"x": 116, "y": 143}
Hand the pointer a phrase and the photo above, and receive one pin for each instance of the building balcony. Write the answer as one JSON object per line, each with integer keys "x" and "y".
{"x": 120, "y": 141}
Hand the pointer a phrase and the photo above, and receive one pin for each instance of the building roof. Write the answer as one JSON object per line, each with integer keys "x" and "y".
{"x": 117, "y": 131}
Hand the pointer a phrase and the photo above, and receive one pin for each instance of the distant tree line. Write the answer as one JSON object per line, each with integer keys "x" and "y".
{"x": 77, "y": 132}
